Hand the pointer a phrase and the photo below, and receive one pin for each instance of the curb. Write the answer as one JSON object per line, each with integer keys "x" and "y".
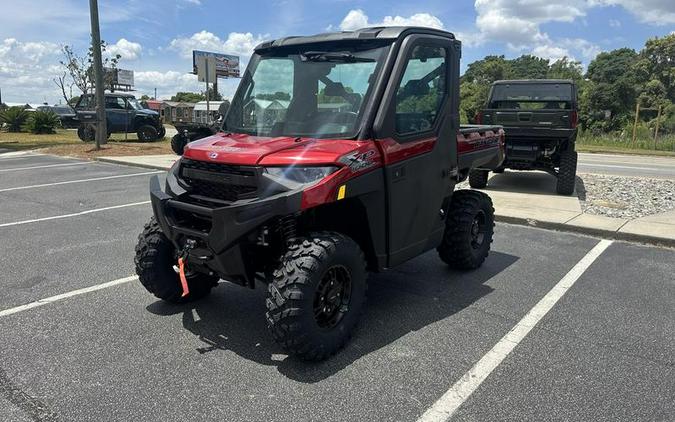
{"x": 121, "y": 163}
{"x": 610, "y": 234}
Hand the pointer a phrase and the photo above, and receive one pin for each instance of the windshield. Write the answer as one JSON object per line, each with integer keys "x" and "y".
{"x": 310, "y": 93}
{"x": 134, "y": 104}
{"x": 532, "y": 96}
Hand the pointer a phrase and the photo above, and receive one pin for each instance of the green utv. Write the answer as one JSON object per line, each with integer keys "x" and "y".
{"x": 539, "y": 117}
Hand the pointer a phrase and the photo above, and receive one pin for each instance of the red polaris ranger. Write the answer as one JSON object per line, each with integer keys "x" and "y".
{"x": 339, "y": 155}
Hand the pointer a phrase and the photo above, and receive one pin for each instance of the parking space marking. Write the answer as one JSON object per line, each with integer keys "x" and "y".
{"x": 45, "y": 166}
{"x": 75, "y": 214}
{"x": 62, "y": 296}
{"x": 93, "y": 179}
{"x": 448, "y": 404}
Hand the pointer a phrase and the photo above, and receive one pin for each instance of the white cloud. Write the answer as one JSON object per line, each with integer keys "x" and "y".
{"x": 615, "y": 23}
{"x": 656, "y": 12}
{"x": 127, "y": 49}
{"x": 357, "y": 18}
{"x": 237, "y": 43}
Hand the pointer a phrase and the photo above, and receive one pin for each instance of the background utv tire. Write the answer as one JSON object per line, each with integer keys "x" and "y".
{"x": 567, "y": 173}
{"x": 469, "y": 228}
{"x": 178, "y": 143}
{"x": 161, "y": 133}
{"x": 317, "y": 295}
{"x": 478, "y": 179}
{"x": 146, "y": 133}
{"x": 155, "y": 257}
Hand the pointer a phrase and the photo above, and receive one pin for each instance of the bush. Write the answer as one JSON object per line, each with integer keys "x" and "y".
{"x": 41, "y": 122}
{"x": 13, "y": 118}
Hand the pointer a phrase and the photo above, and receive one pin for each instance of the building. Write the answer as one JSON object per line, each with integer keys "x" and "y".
{"x": 172, "y": 111}
{"x": 200, "y": 115}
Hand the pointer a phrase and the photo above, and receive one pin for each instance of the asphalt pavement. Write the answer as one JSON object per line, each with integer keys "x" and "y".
{"x": 627, "y": 165}
{"x": 604, "y": 351}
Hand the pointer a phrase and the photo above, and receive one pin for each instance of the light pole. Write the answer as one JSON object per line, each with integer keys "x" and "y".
{"x": 101, "y": 129}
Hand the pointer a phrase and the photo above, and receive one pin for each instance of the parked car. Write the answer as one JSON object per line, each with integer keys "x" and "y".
{"x": 540, "y": 120}
{"x": 124, "y": 114}
{"x": 66, "y": 115}
{"x": 308, "y": 199}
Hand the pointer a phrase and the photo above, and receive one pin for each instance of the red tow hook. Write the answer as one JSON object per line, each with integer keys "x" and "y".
{"x": 181, "y": 266}
{"x": 183, "y": 280}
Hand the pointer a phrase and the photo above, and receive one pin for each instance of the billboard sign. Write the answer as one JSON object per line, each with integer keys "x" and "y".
{"x": 125, "y": 77}
{"x": 227, "y": 66}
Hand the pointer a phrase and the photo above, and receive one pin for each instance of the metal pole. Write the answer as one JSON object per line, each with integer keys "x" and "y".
{"x": 637, "y": 113}
{"x": 155, "y": 97}
{"x": 206, "y": 71}
{"x": 101, "y": 129}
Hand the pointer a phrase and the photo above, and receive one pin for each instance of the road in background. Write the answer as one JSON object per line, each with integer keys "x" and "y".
{"x": 627, "y": 165}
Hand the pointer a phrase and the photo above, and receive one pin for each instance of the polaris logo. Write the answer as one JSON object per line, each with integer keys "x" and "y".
{"x": 213, "y": 155}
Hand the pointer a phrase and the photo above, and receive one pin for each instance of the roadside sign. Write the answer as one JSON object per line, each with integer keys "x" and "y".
{"x": 125, "y": 77}
{"x": 227, "y": 66}
{"x": 206, "y": 69}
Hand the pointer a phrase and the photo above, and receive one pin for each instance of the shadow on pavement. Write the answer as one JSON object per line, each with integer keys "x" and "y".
{"x": 532, "y": 182}
{"x": 400, "y": 301}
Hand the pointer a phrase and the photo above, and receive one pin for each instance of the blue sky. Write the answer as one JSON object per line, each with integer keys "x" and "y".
{"x": 155, "y": 37}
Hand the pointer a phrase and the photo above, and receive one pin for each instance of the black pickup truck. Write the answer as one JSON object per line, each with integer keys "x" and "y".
{"x": 540, "y": 120}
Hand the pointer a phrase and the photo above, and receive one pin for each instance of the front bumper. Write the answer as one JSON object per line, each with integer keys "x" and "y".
{"x": 222, "y": 232}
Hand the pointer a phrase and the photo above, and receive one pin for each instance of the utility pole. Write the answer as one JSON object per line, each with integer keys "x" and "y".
{"x": 101, "y": 129}
{"x": 155, "y": 97}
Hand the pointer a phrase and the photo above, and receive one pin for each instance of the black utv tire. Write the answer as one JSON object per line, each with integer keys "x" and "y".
{"x": 161, "y": 132}
{"x": 567, "y": 173}
{"x": 478, "y": 179}
{"x": 146, "y": 133}
{"x": 155, "y": 257}
{"x": 86, "y": 133}
{"x": 178, "y": 143}
{"x": 317, "y": 295}
{"x": 469, "y": 228}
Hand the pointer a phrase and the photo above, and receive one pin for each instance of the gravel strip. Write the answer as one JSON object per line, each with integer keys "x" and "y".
{"x": 624, "y": 197}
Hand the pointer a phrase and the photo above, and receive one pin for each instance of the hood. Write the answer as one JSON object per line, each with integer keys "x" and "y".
{"x": 250, "y": 150}
{"x": 147, "y": 112}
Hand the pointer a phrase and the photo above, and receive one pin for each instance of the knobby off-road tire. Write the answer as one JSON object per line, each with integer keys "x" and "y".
{"x": 469, "y": 228}
{"x": 161, "y": 133}
{"x": 178, "y": 143}
{"x": 155, "y": 258}
{"x": 567, "y": 173}
{"x": 147, "y": 133}
{"x": 317, "y": 295}
{"x": 478, "y": 179}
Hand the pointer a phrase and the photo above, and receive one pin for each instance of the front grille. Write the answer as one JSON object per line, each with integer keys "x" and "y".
{"x": 223, "y": 182}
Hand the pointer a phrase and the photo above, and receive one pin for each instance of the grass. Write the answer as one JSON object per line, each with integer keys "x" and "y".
{"x": 664, "y": 146}
{"x": 66, "y": 142}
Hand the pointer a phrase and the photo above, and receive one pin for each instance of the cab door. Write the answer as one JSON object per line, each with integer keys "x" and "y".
{"x": 118, "y": 114}
{"x": 416, "y": 130}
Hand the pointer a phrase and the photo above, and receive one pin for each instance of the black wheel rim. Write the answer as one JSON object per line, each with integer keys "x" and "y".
{"x": 331, "y": 301}
{"x": 478, "y": 230}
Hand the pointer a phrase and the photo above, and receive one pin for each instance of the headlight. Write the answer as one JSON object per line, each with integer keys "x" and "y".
{"x": 300, "y": 174}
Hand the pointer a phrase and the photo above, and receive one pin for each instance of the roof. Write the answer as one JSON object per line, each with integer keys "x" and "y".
{"x": 530, "y": 81}
{"x": 378, "y": 32}
{"x": 213, "y": 105}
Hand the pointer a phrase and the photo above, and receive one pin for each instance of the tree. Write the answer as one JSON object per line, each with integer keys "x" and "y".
{"x": 188, "y": 97}
{"x": 13, "y": 118}
{"x": 659, "y": 54}
{"x": 77, "y": 71}
{"x": 529, "y": 67}
{"x": 41, "y": 122}
{"x": 144, "y": 97}
{"x": 566, "y": 69}
{"x": 213, "y": 95}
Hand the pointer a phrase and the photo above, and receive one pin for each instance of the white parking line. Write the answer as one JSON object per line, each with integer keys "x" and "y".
{"x": 62, "y": 296}
{"x": 621, "y": 167}
{"x": 76, "y": 214}
{"x": 45, "y": 166}
{"x": 93, "y": 179}
{"x": 448, "y": 404}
